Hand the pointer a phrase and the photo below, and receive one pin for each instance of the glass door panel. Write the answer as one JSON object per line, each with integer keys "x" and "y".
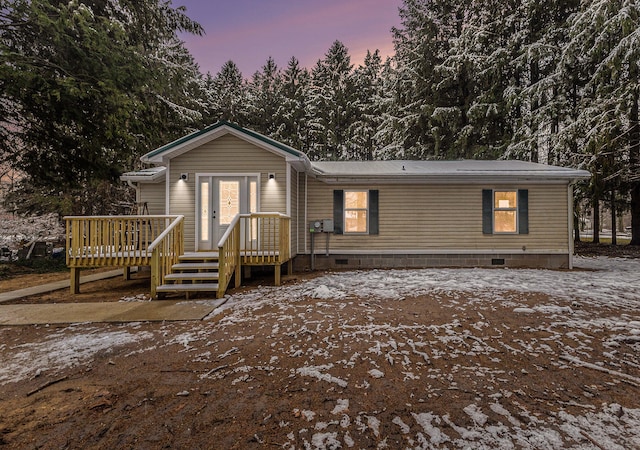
{"x": 204, "y": 214}
{"x": 229, "y": 192}
{"x": 220, "y": 199}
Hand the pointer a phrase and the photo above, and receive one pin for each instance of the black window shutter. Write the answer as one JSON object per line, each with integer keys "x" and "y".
{"x": 373, "y": 212}
{"x": 338, "y": 211}
{"x": 487, "y": 211}
{"x": 523, "y": 211}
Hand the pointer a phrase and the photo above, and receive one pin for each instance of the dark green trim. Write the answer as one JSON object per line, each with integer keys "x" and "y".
{"x": 374, "y": 212}
{"x": 338, "y": 211}
{"x": 487, "y": 211}
{"x": 523, "y": 211}
{"x": 215, "y": 126}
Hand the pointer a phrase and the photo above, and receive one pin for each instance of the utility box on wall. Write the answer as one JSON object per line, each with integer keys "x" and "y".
{"x": 321, "y": 226}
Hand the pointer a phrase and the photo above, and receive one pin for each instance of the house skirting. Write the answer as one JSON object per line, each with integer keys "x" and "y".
{"x": 402, "y": 261}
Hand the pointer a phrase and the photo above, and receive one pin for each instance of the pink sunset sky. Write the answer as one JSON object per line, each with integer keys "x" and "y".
{"x": 249, "y": 31}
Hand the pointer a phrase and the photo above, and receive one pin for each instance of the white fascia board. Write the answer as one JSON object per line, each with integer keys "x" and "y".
{"x": 214, "y": 134}
{"x": 450, "y": 179}
{"x": 301, "y": 164}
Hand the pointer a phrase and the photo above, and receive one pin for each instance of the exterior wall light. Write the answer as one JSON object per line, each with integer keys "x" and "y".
{"x": 272, "y": 176}
{"x": 184, "y": 176}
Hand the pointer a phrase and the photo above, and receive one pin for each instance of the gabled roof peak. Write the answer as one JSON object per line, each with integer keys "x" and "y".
{"x": 211, "y": 132}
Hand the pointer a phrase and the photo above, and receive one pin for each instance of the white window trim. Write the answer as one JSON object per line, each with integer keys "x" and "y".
{"x": 345, "y": 209}
{"x": 515, "y": 210}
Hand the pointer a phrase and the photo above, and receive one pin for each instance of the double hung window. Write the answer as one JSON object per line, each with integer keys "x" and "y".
{"x": 505, "y": 211}
{"x": 355, "y": 211}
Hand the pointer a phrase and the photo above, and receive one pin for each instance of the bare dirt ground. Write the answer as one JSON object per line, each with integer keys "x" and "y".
{"x": 292, "y": 368}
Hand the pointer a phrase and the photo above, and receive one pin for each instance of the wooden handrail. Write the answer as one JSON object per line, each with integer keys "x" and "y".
{"x": 146, "y": 216}
{"x": 166, "y": 250}
{"x": 229, "y": 230}
{"x": 162, "y": 235}
{"x": 253, "y": 239}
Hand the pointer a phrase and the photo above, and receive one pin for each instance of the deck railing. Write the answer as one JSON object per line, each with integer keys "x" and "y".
{"x": 266, "y": 238}
{"x": 158, "y": 241}
{"x": 119, "y": 241}
{"x": 166, "y": 250}
{"x": 253, "y": 239}
{"x": 229, "y": 257}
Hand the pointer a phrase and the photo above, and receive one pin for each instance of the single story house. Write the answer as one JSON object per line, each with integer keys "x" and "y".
{"x": 364, "y": 214}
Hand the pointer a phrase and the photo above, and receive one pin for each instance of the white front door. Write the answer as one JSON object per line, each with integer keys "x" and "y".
{"x": 220, "y": 199}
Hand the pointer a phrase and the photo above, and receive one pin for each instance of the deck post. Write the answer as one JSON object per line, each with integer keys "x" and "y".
{"x": 75, "y": 280}
{"x": 238, "y": 271}
{"x": 155, "y": 272}
{"x": 126, "y": 273}
{"x": 238, "y": 276}
{"x": 277, "y": 269}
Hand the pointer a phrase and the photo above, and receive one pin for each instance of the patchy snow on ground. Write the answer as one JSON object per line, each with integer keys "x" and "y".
{"x": 597, "y": 284}
{"x": 601, "y": 296}
{"x": 64, "y": 348}
{"x": 596, "y": 280}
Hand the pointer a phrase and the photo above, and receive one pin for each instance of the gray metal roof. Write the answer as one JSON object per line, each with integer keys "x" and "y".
{"x": 148, "y": 175}
{"x": 438, "y": 169}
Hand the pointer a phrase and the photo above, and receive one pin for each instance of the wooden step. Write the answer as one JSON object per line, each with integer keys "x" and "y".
{"x": 197, "y": 287}
{"x": 205, "y": 276}
{"x": 201, "y": 256}
{"x": 196, "y": 266}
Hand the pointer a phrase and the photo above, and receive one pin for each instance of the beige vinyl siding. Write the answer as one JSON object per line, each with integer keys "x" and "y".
{"x": 225, "y": 155}
{"x": 153, "y": 194}
{"x": 446, "y": 217}
{"x": 293, "y": 182}
{"x": 302, "y": 209}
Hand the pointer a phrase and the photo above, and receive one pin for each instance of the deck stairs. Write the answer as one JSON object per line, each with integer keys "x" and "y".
{"x": 194, "y": 273}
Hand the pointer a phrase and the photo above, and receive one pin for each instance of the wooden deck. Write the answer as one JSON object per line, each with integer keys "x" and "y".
{"x": 258, "y": 239}
{"x": 123, "y": 241}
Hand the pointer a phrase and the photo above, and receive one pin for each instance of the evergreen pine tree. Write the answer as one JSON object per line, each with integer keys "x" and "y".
{"x": 291, "y": 116}
{"x": 86, "y": 87}
{"x": 264, "y": 95}
{"x": 330, "y": 105}
{"x": 363, "y": 143}
{"x": 226, "y": 95}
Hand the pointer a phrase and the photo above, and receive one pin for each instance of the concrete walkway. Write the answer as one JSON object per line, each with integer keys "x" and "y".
{"x": 56, "y": 285}
{"x": 64, "y": 313}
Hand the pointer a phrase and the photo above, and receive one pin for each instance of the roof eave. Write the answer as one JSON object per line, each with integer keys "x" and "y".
{"x": 153, "y": 178}
{"x": 142, "y": 179}
{"x": 450, "y": 179}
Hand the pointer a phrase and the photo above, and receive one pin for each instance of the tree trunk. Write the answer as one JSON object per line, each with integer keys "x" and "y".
{"x": 634, "y": 160}
{"x": 635, "y": 213}
{"x": 614, "y": 237}
{"x": 576, "y": 225}
{"x": 534, "y": 71}
{"x": 595, "y": 224}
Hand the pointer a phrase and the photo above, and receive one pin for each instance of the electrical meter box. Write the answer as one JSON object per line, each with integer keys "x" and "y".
{"x": 327, "y": 226}
{"x": 321, "y": 226}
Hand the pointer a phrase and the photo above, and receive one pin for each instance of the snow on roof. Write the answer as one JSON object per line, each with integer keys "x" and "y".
{"x": 441, "y": 169}
{"x": 149, "y": 175}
